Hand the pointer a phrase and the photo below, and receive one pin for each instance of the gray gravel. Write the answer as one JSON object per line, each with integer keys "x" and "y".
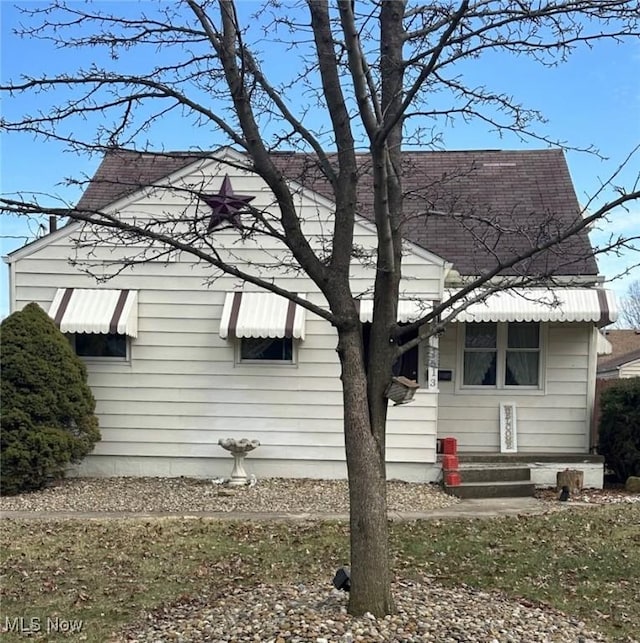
{"x": 192, "y": 495}
{"x": 317, "y": 613}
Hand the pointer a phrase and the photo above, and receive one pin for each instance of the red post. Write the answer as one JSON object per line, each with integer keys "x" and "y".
{"x": 449, "y": 446}
{"x": 450, "y": 463}
{"x": 452, "y": 479}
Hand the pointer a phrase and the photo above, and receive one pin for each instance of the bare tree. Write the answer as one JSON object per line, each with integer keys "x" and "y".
{"x": 373, "y": 71}
{"x": 630, "y": 309}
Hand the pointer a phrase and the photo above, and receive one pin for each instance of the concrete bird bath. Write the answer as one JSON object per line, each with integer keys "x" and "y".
{"x": 239, "y": 450}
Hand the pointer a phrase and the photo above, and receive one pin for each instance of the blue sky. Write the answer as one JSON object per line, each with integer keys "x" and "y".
{"x": 594, "y": 99}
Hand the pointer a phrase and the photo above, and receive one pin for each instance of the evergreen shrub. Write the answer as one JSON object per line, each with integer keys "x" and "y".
{"x": 619, "y": 440}
{"x": 48, "y": 410}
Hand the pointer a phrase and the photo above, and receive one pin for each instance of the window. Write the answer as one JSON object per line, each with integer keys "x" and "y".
{"x": 522, "y": 355}
{"x": 480, "y": 354}
{"x": 112, "y": 345}
{"x": 407, "y": 364}
{"x": 501, "y": 355}
{"x": 279, "y": 349}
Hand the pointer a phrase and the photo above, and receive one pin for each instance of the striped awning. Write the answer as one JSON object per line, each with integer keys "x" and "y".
{"x": 409, "y": 310}
{"x": 85, "y": 310}
{"x": 543, "y": 305}
{"x": 261, "y": 314}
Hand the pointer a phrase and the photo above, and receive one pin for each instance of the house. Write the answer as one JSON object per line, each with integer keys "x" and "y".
{"x": 180, "y": 356}
{"x": 620, "y": 358}
{"x": 624, "y": 358}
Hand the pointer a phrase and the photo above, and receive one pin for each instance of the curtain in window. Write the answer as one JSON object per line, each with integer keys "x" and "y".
{"x": 522, "y": 368}
{"x": 480, "y": 368}
{"x": 480, "y": 365}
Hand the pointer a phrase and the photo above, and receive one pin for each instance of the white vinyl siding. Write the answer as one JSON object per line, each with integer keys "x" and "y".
{"x": 552, "y": 420}
{"x": 630, "y": 369}
{"x": 182, "y": 388}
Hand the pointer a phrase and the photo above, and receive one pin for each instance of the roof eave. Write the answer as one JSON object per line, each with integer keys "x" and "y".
{"x": 35, "y": 245}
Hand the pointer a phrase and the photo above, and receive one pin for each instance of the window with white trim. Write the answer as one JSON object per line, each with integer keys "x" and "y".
{"x": 100, "y": 345}
{"x": 501, "y": 355}
{"x": 270, "y": 349}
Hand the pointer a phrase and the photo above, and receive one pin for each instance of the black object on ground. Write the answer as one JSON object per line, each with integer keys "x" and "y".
{"x": 342, "y": 579}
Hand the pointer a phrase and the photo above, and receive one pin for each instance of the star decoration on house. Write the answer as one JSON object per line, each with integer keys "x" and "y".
{"x": 226, "y": 206}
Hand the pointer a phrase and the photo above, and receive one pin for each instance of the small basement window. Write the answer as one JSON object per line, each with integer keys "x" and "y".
{"x": 99, "y": 345}
{"x": 270, "y": 349}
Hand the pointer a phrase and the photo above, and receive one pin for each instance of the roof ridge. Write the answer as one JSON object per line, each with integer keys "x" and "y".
{"x": 478, "y": 150}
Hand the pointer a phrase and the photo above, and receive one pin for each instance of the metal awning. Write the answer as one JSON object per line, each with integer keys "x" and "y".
{"x": 409, "y": 310}
{"x": 261, "y": 314}
{"x": 85, "y": 310}
{"x": 603, "y": 345}
{"x": 543, "y": 305}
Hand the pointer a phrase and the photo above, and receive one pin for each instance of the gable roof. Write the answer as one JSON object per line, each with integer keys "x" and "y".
{"x": 472, "y": 208}
{"x": 625, "y": 344}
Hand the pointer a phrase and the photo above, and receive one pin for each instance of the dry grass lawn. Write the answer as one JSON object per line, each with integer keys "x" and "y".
{"x": 106, "y": 574}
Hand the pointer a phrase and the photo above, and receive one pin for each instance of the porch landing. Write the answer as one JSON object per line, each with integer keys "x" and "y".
{"x": 469, "y": 457}
{"x": 494, "y": 475}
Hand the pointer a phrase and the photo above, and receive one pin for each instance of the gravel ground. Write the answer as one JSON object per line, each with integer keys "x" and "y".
{"x": 607, "y": 496}
{"x": 183, "y": 495}
{"x": 188, "y": 494}
{"x": 278, "y": 495}
{"x": 317, "y": 613}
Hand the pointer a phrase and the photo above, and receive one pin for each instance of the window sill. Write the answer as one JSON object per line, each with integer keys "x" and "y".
{"x": 265, "y": 362}
{"x": 494, "y": 390}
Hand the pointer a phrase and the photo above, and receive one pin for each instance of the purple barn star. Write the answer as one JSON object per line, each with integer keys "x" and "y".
{"x": 226, "y": 205}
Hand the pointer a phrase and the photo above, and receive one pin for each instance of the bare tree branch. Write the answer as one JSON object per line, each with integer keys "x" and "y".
{"x": 368, "y": 79}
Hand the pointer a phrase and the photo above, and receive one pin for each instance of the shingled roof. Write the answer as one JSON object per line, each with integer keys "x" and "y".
{"x": 625, "y": 347}
{"x": 473, "y": 208}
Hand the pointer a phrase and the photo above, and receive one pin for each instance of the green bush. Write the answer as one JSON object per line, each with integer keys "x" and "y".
{"x": 620, "y": 427}
{"x": 31, "y": 455}
{"x": 48, "y": 417}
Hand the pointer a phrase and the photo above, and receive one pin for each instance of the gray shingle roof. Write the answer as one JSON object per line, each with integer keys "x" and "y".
{"x": 473, "y": 208}
{"x": 625, "y": 344}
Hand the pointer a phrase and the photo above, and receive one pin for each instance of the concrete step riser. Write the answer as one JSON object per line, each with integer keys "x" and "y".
{"x": 500, "y": 490}
{"x": 495, "y": 474}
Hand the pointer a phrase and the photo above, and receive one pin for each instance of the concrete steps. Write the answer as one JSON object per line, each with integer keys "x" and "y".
{"x": 494, "y": 474}
{"x": 493, "y": 481}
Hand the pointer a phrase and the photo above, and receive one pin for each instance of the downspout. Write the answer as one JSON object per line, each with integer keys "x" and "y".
{"x": 12, "y": 282}
{"x": 591, "y": 431}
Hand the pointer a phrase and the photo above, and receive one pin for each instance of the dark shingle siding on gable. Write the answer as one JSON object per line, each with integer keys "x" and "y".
{"x": 473, "y": 208}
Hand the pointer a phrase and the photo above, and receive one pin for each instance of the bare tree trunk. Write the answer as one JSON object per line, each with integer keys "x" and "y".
{"x": 370, "y": 573}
